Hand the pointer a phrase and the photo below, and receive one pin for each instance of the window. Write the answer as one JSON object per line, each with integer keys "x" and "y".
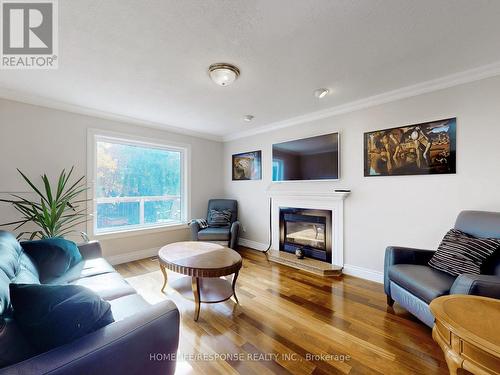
{"x": 278, "y": 167}
{"x": 137, "y": 185}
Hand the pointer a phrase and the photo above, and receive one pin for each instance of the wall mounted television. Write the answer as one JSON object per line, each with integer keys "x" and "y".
{"x": 307, "y": 159}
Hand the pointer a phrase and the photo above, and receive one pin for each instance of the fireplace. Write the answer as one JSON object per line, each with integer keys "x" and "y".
{"x": 306, "y": 229}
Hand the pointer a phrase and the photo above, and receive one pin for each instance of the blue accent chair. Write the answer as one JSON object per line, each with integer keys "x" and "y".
{"x": 227, "y": 233}
{"x": 413, "y": 284}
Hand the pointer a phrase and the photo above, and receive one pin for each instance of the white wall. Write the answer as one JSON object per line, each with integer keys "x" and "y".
{"x": 39, "y": 140}
{"x": 411, "y": 210}
{"x": 408, "y": 210}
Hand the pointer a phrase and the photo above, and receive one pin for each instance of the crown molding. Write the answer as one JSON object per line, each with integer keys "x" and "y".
{"x": 472, "y": 75}
{"x": 26, "y": 98}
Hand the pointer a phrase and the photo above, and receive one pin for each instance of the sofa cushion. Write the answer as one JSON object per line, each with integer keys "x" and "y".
{"x": 126, "y": 306}
{"x": 52, "y": 256}
{"x": 423, "y": 281}
{"x": 10, "y": 251}
{"x": 4, "y": 293}
{"x": 26, "y": 263}
{"x": 25, "y": 276}
{"x": 214, "y": 234}
{"x": 15, "y": 266}
{"x": 460, "y": 253}
{"x": 54, "y": 315}
{"x": 107, "y": 285}
{"x": 85, "y": 268}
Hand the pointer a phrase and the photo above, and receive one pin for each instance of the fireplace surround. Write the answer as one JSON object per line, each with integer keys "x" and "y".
{"x": 315, "y": 200}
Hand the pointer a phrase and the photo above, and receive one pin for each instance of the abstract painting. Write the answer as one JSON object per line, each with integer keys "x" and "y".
{"x": 426, "y": 148}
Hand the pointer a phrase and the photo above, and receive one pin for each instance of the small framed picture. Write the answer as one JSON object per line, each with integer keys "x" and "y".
{"x": 247, "y": 166}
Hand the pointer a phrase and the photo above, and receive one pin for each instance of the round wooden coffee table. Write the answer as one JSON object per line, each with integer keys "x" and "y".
{"x": 205, "y": 263}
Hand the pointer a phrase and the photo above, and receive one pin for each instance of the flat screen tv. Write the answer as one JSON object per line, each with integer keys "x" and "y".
{"x": 314, "y": 158}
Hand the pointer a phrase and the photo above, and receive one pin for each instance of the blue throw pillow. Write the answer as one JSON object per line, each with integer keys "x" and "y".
{"x": 54, "y": 315}
{"x": 52, "y": 256}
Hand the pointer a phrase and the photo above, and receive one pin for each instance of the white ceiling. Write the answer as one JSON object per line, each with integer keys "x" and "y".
{"x": 148, "y": 59}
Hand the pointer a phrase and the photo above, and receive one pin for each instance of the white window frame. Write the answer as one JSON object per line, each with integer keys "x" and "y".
{"x": 95, "y": 135}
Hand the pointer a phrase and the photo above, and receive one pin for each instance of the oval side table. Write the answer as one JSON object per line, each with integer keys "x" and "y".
{"x": 467, "y": 329}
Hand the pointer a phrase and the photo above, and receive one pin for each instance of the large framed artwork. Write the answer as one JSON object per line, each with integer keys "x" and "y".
{"x": 247, "y": 166}
{"x": 427, "y": 148}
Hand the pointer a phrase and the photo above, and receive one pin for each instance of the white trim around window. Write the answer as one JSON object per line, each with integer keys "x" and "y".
{"x": 95, "y": 135}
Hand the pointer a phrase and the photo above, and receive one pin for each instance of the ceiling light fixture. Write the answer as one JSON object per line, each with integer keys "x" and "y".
{"x": 321, "y": 93}
{"x": 223, "y": 74}
{"x": 248, "y": 118}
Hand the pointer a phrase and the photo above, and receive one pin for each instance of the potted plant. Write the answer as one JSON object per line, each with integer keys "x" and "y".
{"x": 55, "y": 212}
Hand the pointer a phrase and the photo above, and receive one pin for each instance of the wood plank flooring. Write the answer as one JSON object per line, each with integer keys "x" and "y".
{"x": 293, "y": 322}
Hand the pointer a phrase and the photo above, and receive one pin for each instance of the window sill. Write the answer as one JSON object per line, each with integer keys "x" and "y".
{"x": 135, "y": 232}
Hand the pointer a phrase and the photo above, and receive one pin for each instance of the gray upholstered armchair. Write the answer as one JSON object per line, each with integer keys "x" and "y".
{"x": 409, "y": 281}
{"x": 227, "y": 233}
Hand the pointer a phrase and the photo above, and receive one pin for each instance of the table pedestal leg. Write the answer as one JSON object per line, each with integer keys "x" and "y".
{"x": 234, "y": 286}
{"x": 195, "y": 285}
{"x": 164, "y": 272}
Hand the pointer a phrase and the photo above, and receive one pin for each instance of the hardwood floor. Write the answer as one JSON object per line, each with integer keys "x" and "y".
{"x": 292, "y": 322}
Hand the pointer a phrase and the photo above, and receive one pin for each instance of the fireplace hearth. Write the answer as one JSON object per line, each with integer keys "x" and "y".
{"x": 306, "y": 229}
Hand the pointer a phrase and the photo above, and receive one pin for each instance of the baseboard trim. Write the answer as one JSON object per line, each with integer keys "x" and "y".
{"x": 132, "y": 255}
{"x": 253, "y": 244}
{"x": 349, "y": 269}
{"x": 363, "y": 273}
{"x": 147, "y": 253}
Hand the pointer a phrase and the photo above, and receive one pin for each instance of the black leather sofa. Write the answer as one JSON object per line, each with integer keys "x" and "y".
{"x": 142, "y": 340}
{"x": 228, "y": 233}
{"x": 409, "y": 281}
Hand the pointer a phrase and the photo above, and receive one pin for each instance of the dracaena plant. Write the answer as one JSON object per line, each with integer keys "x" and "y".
{"x": 56, "y": 211}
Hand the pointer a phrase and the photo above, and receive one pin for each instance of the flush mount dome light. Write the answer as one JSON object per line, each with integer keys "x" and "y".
{"x": 223, "y": 74}
{"x": 248, "y": 118}
{"x": 321, "y": 93}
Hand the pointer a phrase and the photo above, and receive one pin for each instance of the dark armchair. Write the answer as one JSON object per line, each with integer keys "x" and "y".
{"x": 227, "y": 233}
{"x": 409, "y": 281}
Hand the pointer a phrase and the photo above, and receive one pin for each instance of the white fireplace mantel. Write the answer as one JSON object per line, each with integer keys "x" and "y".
{"x": 318, "y": 200}
{"x": 320, "y": 194}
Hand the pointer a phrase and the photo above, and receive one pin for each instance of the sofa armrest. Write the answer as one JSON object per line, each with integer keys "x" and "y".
{"x": 403, "y": 255}
{"x": 478, "y": 285}
{"x": 195, "y": 228}
{"x": 90, "y": 250}
{"x": 235, "y": 230}
{"x": 145, "y": 343}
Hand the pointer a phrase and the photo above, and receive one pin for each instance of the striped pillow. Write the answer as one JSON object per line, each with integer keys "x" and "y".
{"x": 218, "y": 218}
{"x": 461, "y": 253}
